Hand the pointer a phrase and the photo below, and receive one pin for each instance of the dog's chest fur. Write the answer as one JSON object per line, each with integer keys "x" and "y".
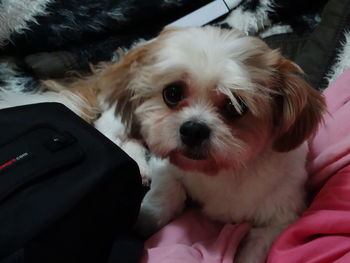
{"x": 272, "y": 186}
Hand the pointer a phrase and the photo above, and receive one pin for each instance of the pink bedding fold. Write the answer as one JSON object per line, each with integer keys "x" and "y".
{"x": 321, "y": 235}
{"x": 330, "y": 148}
{"x": 193, "y": 238}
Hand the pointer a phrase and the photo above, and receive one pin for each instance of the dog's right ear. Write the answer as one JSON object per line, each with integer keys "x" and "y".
{"x": 118, "y": 82}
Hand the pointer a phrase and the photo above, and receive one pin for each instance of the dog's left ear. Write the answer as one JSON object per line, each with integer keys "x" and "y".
{"x": 118, "y": 80}
{"x": 298, "y": 109}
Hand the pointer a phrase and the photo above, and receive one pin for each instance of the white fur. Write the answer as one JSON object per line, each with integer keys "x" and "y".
{"x": 342, "y": 61}
{"x": 111, "y": 126}
{"x": 191, "y": 50}
{"x": 270, "y": 187}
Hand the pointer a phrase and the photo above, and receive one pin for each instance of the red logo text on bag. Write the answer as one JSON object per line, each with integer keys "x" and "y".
{"x": 13, "y": 161}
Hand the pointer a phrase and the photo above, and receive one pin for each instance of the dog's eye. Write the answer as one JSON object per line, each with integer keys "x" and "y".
{"x": 173, "y": 94}
{"x": 230, "y": 111}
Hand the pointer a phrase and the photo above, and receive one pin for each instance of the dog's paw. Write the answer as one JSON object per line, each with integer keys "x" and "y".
{"x": 248, "y": 256}
{"x": 147, "y": 223}
{"x": 137, "y": 152}
{"x": 255, "y": 246}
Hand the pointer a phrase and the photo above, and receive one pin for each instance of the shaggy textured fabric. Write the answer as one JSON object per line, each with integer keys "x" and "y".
{"x": 342, "y": 60}
{"x": 14, "y": 78}
{"x": 257, "y": 16}
{"x": 71, "y": 23}
{"x": 50, "y": 38}
{"x": 16, "y": 17}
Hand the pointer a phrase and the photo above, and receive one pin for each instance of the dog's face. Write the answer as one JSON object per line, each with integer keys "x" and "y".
{"x": 212, "y": 99}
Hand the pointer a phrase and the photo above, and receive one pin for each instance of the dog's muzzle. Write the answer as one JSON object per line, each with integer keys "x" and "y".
{"x": 194, "y": 133}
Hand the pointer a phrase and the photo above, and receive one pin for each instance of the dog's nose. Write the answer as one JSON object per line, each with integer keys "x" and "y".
{"x": 194, "y": 133}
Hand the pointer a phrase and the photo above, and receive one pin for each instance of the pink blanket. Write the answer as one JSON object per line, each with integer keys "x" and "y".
{"x": 322, "y": 234}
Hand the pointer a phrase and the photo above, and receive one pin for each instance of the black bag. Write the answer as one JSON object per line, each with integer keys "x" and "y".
{"x": 67, "y": 193}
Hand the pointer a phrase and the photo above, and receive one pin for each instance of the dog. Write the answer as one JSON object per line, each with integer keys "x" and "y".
{"x": 230, "y": 118}
{"x": 227, "y": 119}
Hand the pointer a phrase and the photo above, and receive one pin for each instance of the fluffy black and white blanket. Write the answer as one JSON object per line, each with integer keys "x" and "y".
{"x": 42, "y": 39}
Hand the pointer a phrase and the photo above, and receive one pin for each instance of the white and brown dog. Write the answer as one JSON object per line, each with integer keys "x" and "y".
{"x": 227, "y": 118}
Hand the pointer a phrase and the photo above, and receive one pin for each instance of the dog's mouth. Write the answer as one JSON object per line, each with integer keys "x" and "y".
{"x": 195, "y": 155}
{"x": 194, "y": 161}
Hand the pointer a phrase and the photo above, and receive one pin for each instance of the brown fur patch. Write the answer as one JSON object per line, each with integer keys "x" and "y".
{"x": 299, "y": 107}
{"x": 85, "y": 88}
